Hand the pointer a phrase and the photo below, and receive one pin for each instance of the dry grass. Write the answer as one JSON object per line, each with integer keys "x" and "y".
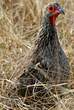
{"x": 19, "y": 23}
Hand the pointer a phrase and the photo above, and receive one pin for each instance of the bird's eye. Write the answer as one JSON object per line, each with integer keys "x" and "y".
{"x": 51, "y": 8}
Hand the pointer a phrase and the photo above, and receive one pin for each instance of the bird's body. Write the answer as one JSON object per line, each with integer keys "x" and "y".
{"x": 48, "y": 63}
{"x": 48, "y": 52}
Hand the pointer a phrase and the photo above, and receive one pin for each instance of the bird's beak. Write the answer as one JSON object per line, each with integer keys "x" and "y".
{"x": 61, "y": 11}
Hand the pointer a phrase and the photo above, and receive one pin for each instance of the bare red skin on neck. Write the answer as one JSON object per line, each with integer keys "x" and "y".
{"x": 53, "y": 18}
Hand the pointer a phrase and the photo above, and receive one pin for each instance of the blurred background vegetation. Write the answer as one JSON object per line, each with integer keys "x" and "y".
{"x": 19, "y": 24}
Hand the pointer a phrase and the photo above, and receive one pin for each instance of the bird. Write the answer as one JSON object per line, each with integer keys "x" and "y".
{"x": 48, "y": 63}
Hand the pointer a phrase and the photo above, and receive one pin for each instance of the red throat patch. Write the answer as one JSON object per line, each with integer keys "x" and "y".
{"x": 53, "y": 19}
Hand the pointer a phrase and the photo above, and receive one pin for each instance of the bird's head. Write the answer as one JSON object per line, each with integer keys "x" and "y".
{"x": 53, "y": 10}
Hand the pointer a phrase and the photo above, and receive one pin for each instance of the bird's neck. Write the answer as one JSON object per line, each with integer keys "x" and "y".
{"x": 49, "y": 22}
{"x": 49, "y": 31}
{"x": 51, "y": 34}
